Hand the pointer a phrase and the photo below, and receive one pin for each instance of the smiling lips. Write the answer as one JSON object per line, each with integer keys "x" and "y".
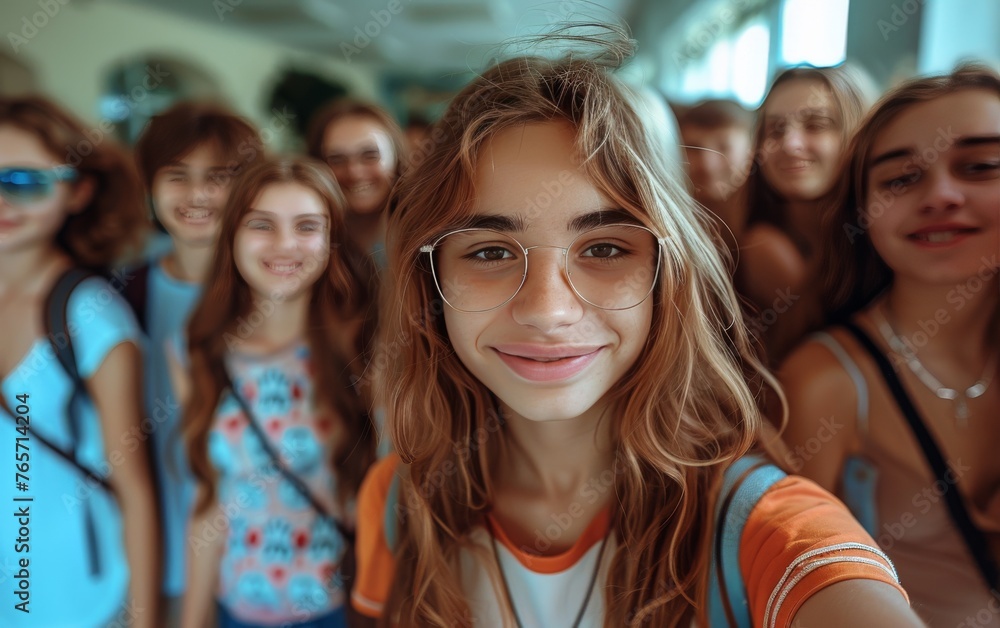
{"x": 195, "y": 216}
{"x": 795, "y": 166}
{"x": 539, "y": 363}
{"x": 941, "y": 235}
{"x": 282, "y": 267}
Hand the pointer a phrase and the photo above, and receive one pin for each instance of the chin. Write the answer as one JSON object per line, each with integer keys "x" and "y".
{"x": 549, "y": 408}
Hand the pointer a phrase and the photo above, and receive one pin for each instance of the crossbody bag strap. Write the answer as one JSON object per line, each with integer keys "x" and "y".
{"x": 974, "y": 538}
{"x": 288, "y": 474}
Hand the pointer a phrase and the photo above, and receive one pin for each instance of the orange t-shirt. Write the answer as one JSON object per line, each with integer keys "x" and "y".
{"x": 795, "y": 527}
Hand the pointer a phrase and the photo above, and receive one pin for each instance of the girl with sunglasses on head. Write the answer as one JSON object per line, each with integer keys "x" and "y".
{"x": 567, "y": 379}
{"x": 364, "y": 148}
{"x": 86, "y": 534}
{"x": 902, "y": 390}
{"x": 802, "y": 127}
{"x": 188, "y": 157}
{"x": 278, "y": 435}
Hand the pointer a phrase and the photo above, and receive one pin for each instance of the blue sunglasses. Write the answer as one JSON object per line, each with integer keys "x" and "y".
{"x": 27, "y": 185}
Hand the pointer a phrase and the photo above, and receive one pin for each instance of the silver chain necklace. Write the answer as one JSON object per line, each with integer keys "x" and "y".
{"x": 959, "y": 398}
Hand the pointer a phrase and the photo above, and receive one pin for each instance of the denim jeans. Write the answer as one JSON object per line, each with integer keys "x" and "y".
{"x": 336, "y": 619}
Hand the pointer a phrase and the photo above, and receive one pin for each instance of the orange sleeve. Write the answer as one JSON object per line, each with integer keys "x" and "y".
{"x": 799, "y": 539}
{"x": 376, "y": 564}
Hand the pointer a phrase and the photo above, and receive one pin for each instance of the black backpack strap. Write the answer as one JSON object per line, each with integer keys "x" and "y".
{"x": 136, "y": 291}
{"x": 297, "y": 483}
{"x": 975, "y": 540}
{"x": 58, "y": 333}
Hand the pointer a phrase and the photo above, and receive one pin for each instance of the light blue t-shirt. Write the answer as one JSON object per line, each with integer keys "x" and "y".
{"x": 169, "y": 303}
{"x": 61, "y": 589}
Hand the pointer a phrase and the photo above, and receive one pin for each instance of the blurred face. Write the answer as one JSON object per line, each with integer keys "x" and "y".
{"x": 802, "y": 140}
{"x": 282, "y": 244}
{"x": 190, "y": 194}
{"x": 360, "y": 153}
{"x": 718, "y": 161}
{"x": 33, "y": 223}
{"x": 934, "y": 189}
{"x": 546, "y": 354}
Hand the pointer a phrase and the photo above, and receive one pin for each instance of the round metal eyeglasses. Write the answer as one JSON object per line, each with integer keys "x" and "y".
{"x": 612, "y": 267}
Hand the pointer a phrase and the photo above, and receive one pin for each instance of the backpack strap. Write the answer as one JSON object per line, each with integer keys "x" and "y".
{"x": 744, "y": 483}
{"x": 390, "y": 519}
{"x": 58, "y": 333}
{"x": 136, "y": 291}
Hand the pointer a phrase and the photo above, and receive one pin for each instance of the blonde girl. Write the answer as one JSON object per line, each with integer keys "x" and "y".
{"x": 800, "y": 134}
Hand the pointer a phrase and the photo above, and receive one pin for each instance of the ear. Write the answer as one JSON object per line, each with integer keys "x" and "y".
{"x": 81, "y": 194}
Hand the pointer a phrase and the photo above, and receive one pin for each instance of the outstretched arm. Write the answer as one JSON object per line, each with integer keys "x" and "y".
{"x": 856, "y": 603}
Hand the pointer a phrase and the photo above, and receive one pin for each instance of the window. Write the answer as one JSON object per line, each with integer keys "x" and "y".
{"x": 750, "y": 52}
{"x": 814, "y": 32}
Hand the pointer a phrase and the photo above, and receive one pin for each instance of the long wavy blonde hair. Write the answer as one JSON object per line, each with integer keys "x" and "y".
{"x": 688, "y": 405}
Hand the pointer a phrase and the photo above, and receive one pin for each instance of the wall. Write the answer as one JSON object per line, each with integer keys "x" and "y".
{"x": 978, "y": 21}
{"x": 79, "y": 42}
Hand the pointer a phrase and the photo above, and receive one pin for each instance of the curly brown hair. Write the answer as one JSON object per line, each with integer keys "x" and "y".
{"x": 112, "y": 222}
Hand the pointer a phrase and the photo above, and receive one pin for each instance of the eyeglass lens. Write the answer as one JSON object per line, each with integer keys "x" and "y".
{"x": 611, "y": 267}
{"x": 365, "y": 157}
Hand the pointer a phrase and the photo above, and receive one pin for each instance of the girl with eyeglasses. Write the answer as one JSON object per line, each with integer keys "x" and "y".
{"x": 82, "y": 548}
{"x": 277, "y": 427}
{"x": 363, "y": 146}
{"x": 901, "y": 390}
{"x": 568, "y": 378}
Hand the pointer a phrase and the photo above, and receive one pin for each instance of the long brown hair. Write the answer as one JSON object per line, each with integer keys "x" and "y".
{"x": 851, "y": 101}
{"x": 685, "y": 407}
{"x": 111, "y": 223}
{"x": 340, "y": 299}
{"x": 852, "y": 272}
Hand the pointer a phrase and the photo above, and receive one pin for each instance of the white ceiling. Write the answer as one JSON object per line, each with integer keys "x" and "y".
{"x": 408, "y": 36}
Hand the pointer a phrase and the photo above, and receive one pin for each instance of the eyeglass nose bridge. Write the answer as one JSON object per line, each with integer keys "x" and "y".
{"x": 564, "y": 266}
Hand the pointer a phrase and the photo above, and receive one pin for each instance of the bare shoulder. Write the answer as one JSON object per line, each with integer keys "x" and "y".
{"x": 769, "y": 262}
{"x": 822, "y": 410}
{"x": 764, "y": 243}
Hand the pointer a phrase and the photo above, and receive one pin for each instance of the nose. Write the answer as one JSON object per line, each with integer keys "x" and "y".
{"x": 943, "y": 192}
{"x": 355, "y": 169}
{"x": 284, "y": 239}
{"x": 198, "y": 194}
{"x": 547, "y": 301}
{"x": 793, "y": 140}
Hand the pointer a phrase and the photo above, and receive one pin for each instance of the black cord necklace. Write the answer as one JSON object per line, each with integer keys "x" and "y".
{"x": 586, "y": 599}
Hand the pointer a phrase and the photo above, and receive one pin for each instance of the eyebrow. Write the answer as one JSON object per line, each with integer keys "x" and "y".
{"x": 178, "y": 165}
{"x": 363, "y": 149}
{"x": 266, "y": 214}
{"x": 518, "y": 223}
{"x": 962, "y": 142}
{"x": 800, "y": 113}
